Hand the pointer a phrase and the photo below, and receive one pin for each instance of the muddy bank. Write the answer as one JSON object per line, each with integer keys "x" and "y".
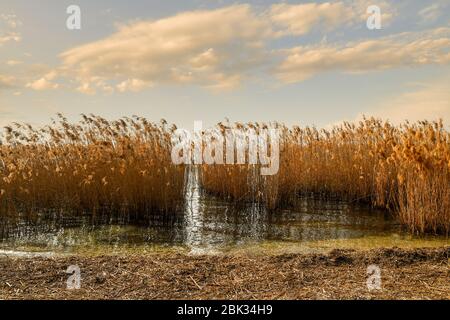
{"x": 340, "y": 274}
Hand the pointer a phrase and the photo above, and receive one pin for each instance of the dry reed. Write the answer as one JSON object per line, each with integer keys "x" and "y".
{"x": 89, "y": 167}
{"x": 403, "y": 168}
{"x": 125, "y": 167}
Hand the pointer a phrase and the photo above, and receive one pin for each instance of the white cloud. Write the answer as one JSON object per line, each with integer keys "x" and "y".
{"x": 6, "y": 81}
{"x": 44, "y": 83}
{"x": 219, "y": 49}
{"x": 86, "y": 88}
{"x": 9, "y": 24}
{"x": 134, "y": 85}
{"x": 10, "y": 20}
{"x": 300, "y": 19}
{"x": 432, "y": 12}
{"x": 9, "y": 36}
{"x": 216, "y": 49}
{"x": 212, "y": 48}
{"x": 402, "y": 50}
{"x": 13, "y": 63}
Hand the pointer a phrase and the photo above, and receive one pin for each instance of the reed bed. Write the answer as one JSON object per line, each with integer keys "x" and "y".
{"x": 95, "y": 166}
{"x": 125, "y": 167}
{"x": 405, "y": 169}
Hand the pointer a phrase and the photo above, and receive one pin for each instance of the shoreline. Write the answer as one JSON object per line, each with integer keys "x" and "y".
{"x": 339, "y": 274}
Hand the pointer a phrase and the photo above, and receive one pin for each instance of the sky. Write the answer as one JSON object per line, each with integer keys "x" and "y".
{"x": 297, "y": 62}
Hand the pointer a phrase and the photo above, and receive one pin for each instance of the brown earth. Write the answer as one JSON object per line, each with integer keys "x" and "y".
{"x": 341, "y": 274}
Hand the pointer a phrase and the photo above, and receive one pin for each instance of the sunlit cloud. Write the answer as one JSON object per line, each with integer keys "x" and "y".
{"x": 242, "y": 52}
{"x": 6, "y": 82}
{"x": 13, "y": 63}
{"x": 133, "y": 85}
{"x": 9, "y": 23}
{"x": 182, "y": 49}
{"x": 432, "y": 12}
{"x": 402, "y": 50}
{"x": 186, "y": 49}
{"x": 44, "y": 83}
{"x": 300, "y": 19}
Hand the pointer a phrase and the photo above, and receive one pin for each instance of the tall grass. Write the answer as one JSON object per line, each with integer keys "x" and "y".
{"x": 403, "y": 168}
{"x": 94, "y": 166}
{"x": 125, "y": 167}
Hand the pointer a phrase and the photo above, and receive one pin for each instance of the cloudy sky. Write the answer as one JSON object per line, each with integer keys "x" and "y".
{"x": 299, "y": 62}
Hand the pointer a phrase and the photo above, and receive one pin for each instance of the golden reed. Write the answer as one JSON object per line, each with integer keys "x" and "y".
{"x": 125, "y": 167}
{"x": 93, "y": 166}
{"x": 403, "y": 168}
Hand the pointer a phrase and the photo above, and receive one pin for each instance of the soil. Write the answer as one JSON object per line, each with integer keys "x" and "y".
{"x": 340, "y": 274}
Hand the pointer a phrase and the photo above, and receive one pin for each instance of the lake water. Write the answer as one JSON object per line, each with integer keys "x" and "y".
{"x": 210, "y": 225}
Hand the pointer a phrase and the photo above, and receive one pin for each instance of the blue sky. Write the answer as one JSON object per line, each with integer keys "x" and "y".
{"x": 298, "y": 62}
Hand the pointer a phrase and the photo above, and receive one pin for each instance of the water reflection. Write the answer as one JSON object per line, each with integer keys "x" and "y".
{"x": 208, "y": 224}
{"x": 193, "y": 214}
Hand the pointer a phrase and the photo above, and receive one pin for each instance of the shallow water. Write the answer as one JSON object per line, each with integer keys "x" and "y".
{"x": 210, "y": 225}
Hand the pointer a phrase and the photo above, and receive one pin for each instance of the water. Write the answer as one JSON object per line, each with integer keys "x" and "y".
{"x": 210, "y": 225}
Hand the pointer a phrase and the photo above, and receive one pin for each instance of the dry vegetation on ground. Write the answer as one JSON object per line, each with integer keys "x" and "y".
{"x": 341, "y": 274}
